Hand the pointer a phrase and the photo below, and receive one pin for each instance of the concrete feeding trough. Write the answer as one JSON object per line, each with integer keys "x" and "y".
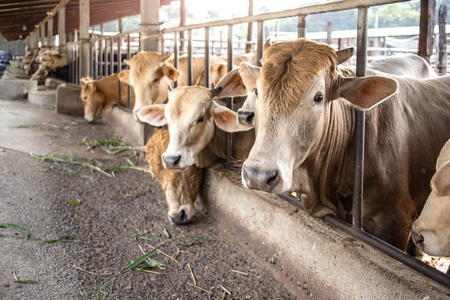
{"x": 16, "y": 89}
{"x": 42, "y": 97}
{"x": 68, "y": 101}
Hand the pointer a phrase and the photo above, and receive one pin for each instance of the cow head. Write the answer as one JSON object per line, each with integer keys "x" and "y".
{"x": 191, "y": 115}
{"x": 430, "y": 232}
{"x": 150, "y": 74}
{"x": 180, "y": 188}
{"x": 246, "y": 114}
{"x": 296, "y": 87}
{"x": 93, "y": 100}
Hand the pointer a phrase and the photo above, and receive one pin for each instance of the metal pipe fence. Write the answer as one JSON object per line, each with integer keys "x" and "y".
{"x": 354, "y": 229}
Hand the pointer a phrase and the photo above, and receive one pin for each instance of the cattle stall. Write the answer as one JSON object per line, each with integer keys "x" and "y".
{"x": 107, "y": 52}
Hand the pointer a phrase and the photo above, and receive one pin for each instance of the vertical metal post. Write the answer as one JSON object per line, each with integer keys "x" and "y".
{"x": 182, "y": 23}
{"x": 129, "y": 57}
{"x": 427, "y": 10}
{"x": 101, "y": 44}
{"x": 361, "y": 62}
{"x": 442, "y": 54}
{"x": 119, "y": 63}
{"x": 62, "y": 28}
{"x": 260, "y": 43}
{"x": 175, "y": 54}
{"x": 50, "y": 32}
{"x": 96, "y": 45}
{"x": 248, "y": 46}
{"x": 329, "y": 31}
{"x": 42, "y": 29}
{"x": 106, "y": 59}
{"x": 91, "y": 55}
{"x": 111, "y": 49}
{"x": 70, "y": 63}
{"x": 190, "y": 69}
{"x": 84, "y": 38}
{"x": 301, "y": 26}
{"x": 230, "y": 100}
{"x": 207, "y": 58}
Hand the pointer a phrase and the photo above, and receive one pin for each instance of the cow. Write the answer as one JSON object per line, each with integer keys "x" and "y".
{"x": 50, "y": 64}
{"x": 100, "y": 95}
{"x": 151, "y": 73}
{"x": 431, "y": 231}
{"x": 407, "y": 65}
{"x": 305, "y": 136}
{"x": 197, "y": 124}
{"x": 180, "y": 188}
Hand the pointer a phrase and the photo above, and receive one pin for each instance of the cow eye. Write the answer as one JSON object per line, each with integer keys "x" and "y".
{"x": 154, "y": 81}
{"x": 201, "y": 119}
{"x": 256, "y": 91}
{"x": 318, "y": 99}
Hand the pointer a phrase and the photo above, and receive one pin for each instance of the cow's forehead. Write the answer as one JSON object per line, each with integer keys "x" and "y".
{"x": 187, "y": 102}
{"x": 145, "y": 63}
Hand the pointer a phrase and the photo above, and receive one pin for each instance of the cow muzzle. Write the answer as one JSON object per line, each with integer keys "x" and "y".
{"x": 171, "y": 161}
{"x": 263, "y": 179}
{"x": 246, "y": 117}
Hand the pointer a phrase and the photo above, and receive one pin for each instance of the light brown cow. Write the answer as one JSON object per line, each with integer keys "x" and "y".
{"x": 180, "y": 188}
{"x": 151, "y": 73}
{"x": 194, "y": 121}
{"x": 50, "y": 63}
{"x": 305, "y": 124}
{"x": 431, "y": 231}
{"x": 100, "y": 95}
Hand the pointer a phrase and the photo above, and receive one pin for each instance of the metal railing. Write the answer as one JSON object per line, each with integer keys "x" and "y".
{"x": 355, "y": 229}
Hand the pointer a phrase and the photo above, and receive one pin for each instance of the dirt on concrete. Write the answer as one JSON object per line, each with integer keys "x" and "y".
{"x": 99, "y": 236}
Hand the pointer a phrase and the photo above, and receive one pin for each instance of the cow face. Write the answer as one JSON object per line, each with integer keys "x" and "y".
{"x": 296, "y": 86}
{"x": 430, "y": 232}
{"x": 246, "y": 114}
{"x": 191, "y": 115}
{"x": 94, "y": 101}
{"x": 150, "y": 75}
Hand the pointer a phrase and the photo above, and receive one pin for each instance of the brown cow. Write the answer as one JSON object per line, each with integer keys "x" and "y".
{"x": 305, "y": 124}
{"x": 100, "y": 95}
{"x": 194, "y": 121}
{"x": 431, "y": 231}
{"x": 181, "y": 188}
{"x": 151, "y": 73}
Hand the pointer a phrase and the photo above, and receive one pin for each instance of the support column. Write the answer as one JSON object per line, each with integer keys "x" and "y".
{"x": 42, "y": 30}
{"x": 149, "y": 24}
{"x": 62, "y": 29}
{"x": 50, "y": 32}
{"x": 84, "y": 38}
{"x": 426, "y": 34}
{"x": 248, "y": 46}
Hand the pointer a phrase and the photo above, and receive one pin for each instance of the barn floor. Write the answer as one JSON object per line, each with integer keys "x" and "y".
{"x": 97, "y": 237}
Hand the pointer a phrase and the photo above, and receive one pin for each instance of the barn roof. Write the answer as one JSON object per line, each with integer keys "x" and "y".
{"x": 19, "y": 18}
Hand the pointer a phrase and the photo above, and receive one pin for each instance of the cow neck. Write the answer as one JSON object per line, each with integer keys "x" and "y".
{"x": 330, "y": 166}
{"x": 215, "y": 149}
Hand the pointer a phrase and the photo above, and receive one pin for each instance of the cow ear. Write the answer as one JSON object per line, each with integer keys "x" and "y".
{"x": 226, "y": 119}
{"x": 153, "y": 114}
{"x": 83, "y": 81}
{"x": 344, "y": 55}
{"x": 444, "y": 156}
{"x": 124, "y": 76}
{"x": 441, "y": 181}
{"x": 127, "y": 62}
{"x": 367, "y": 92}
{"x": 267, "y": 44}
{"x": 249, "y": 75}
{"x": 165, "y": 56}
{"x": 91, "y": 87}
{"x": 231, "y": 86}
{"x": 171, "y": 73}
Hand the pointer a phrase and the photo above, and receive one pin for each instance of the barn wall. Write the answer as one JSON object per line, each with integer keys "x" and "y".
{"x": 16, "y": 48}
{"x": 309, "y": 256}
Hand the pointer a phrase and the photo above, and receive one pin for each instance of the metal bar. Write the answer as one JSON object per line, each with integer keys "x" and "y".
{"x": 427, "y": 11}
{"x": 111, "y": 49}
{"x": 106, "y": 59}
{"x": 230, "y": 100}
{"x": 69, "y": 60}
{"x": 381, "y": 245}
{"x": 175, "y": 54}
{"x": 358, "y": 179}
{"x": 442, "y": 52}
{"x": 301, "y": 26}
{"x": 207, "y": 58}
{"x": 119, "y": 64}
{"x": 306, "y": 10}
{"x": 77, "y": 69}
{"x": 259, "y": 43}
{"x": 128, "y": 86}
{"x": 96, "y": 45}
{"x": 189, "y": 70}
{"x": 91, "y": 55}
{"x": 101, "y": 58}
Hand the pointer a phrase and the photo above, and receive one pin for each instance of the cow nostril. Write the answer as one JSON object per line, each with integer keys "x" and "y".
{"x": 273, "y": 178}
{"x": 417, "y": 239}
{"x": 171, "y": 161}
{"x": 181, "y": 218}
{"x": 250, "y": 117}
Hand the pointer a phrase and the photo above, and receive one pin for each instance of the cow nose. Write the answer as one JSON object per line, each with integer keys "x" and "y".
{"x": 171, "y": 162}
{"x": 417, "y": 239}
{"x": 258, "y": 179}
{"x": 246, "y": 117}
{"x": 181, "y": 218}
